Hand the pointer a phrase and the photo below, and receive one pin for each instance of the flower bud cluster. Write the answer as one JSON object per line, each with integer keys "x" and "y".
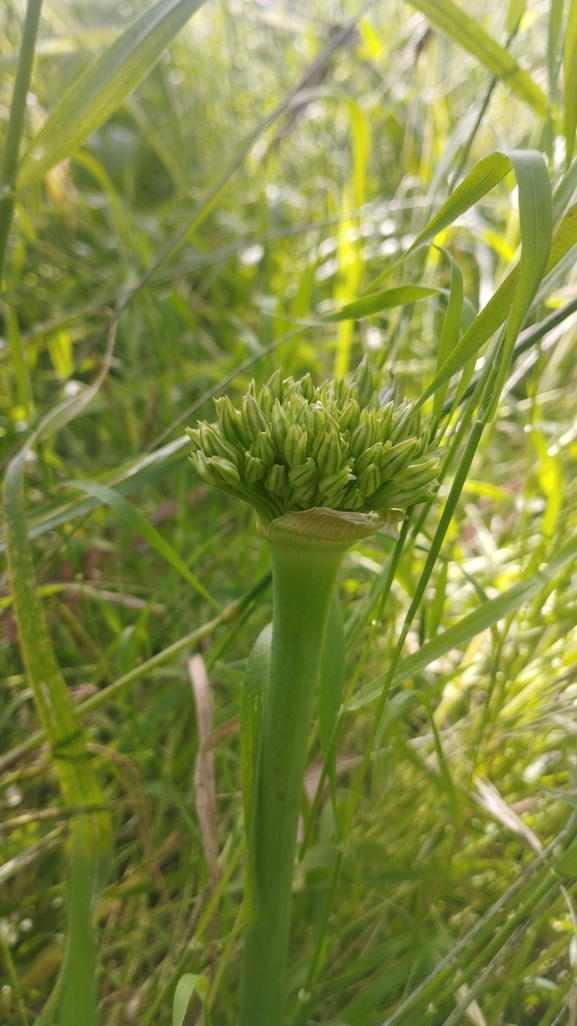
{"x": 293, "y": 446}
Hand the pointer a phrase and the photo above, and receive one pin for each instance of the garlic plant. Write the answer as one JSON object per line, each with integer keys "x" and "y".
{"x": 323, "y": 467}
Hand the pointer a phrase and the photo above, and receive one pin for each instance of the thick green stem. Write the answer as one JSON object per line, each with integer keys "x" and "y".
{"x": 304, "y": 575}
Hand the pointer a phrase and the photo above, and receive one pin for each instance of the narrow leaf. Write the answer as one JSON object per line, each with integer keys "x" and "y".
{"x": 570, "y": 69}
{"x": 385, "y": 300}
{"x": 142, "y": 526}
{"x": 100, "y": 90}
{"x": 517, "y": 291}
{"x": 460, "y": 634}
{"x": 468, "y": 33}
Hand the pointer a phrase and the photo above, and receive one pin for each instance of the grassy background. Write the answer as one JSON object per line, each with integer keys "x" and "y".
{"x": 326, "y": 200}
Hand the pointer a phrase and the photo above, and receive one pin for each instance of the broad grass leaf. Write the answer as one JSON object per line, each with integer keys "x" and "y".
{"x": 141, "y": 525}
{"x": 188, "y": 985}
{"x": 462, "y": 632}
{"x": 570, "y": 70}
{"x": 459, "y": 27}
{"x": 384, "y": 300}
{"x": 102, "y": 88}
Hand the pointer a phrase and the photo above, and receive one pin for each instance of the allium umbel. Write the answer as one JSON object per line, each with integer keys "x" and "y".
{"x": 293, "y": 447}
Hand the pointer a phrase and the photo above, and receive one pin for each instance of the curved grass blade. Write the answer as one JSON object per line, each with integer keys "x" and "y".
{"x": 91, "y": 834}
{"x": 377, "y": 301}
{"x": 100, "y": 90}
{"x": 459, "y": 27}
{"x": 140, "y": 524}
{"x": 188, "y": 985}
{"x": 518, "y": 290}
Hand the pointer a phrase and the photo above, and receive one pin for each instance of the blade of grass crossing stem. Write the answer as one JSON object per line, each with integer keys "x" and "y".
{"x": 228, "y": 616}
{"x": 331, "y": 683}
{"x": 251, "y": 705}
{"x": 448, "y": 511}
{"x": 472, "y": 37}
{"x": 536, "y": 223}
{"x": 142, "y": 526}
{"x": 100, "y": 90}
{"x": 570, "y": 70}
{"x": 451, "y": 327}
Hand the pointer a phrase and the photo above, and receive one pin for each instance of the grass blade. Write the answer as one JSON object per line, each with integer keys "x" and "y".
{"x": 472, "y": 37}
{"x": 102, "y": 88}
{"x": 142, "y": 526}
{"x": 461, "y": 633}
{"x": 377, "y": 301}
{"x": 570, "y": 68}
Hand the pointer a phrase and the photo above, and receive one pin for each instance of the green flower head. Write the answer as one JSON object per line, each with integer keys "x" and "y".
{"x": 294, "y": 447}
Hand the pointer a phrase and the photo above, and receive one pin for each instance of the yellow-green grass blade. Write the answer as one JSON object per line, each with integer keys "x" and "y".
{"x": 384, "y": 300}
{"x": 100, "y": 90}
{"x": 538, "y": 255}
{"x": 459, "y": 27}
{"x": 570, "y": 70}
{"x": 139, "y": 523}
{"x": 462, "y": 632}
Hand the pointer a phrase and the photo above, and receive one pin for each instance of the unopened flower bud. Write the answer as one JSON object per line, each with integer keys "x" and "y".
{"x": 398, "y": 457}
{"x": 253, "y": 418}
{"x": 295, "y": 445}
{"x": 371, "y": 455}
{"x": 279, "y": 425}
{"x": 369, "y": 480}
{"x": 350, "y": 416}
{"x": 305, "y": 474}
{"x": 363, "y": 379}
{"x": 362, "y": 436}
{"x": 276, "y": 481}
{"x": 306, "y": 388}
{"x": 198, "y": 460}
{"x": 225, "y": 470}
{"x": 263, "y": 447}
{"x": 275, "y": 384}
{"x": 254, "y": 468}
{"x": 265, "y": 400}
{"x": 230, "y": 421}
{"x": 194, "y": 435}
{"x": 328, "y": 454}
{"x": 352, "y": 499}
{"x": 331, "y": 485}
